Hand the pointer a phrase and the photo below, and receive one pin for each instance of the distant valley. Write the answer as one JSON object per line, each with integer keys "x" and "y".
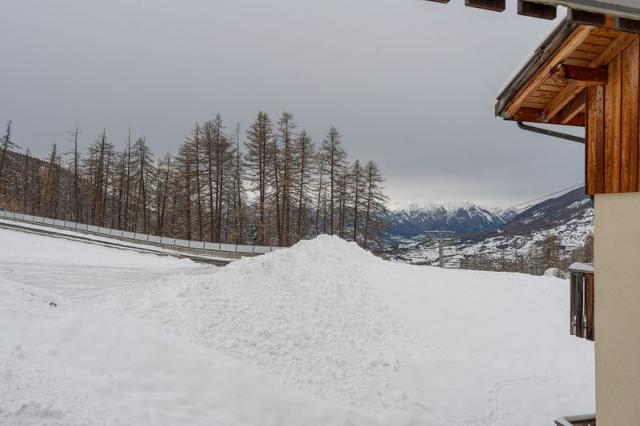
{"x": 489, "y": 233}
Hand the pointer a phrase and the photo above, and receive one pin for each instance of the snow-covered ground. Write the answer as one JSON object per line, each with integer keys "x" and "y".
{"x": 320, "y": 334}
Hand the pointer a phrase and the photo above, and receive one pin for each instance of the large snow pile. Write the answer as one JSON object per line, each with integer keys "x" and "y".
{"x": 307, "y": 315}
{"x": 322, "y": 333}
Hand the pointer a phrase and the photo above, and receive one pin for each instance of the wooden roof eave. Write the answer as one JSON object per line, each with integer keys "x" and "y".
{"x": 538, "y": 67}
{"x": 551, "y": 87}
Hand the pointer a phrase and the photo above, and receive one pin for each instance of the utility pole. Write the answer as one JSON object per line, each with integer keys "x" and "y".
{"x": 443, "y": 238}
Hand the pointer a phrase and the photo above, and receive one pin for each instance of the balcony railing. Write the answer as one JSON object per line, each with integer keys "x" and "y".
{"x": 586, "y": 420}
{"x": 581, "y": 299}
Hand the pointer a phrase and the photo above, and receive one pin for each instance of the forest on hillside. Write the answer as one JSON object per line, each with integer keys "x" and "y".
{"x": 268, "y": 185}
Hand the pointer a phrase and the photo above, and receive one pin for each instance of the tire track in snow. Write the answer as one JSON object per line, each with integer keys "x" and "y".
{"x": 496, "y": 393}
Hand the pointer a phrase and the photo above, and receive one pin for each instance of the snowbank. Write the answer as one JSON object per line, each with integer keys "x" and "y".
{"x": 322, "y": 333}
{"x": 306, "y": 315}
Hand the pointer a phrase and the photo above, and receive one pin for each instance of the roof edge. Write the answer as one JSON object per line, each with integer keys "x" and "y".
{"x": 542, "y": 54}
{"x": 597, "y": 6}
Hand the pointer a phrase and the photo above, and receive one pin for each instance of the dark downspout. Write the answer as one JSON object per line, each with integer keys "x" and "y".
{"x": 551, "y": 133}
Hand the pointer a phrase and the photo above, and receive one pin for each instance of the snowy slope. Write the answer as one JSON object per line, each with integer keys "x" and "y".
{"x": 322, "y": 333}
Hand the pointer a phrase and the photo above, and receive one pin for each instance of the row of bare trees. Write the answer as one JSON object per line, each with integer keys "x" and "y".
{"x": 274, "y": 188}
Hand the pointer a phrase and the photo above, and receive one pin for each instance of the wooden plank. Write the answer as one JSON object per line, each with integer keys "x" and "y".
{"x": 581, "y": 54}
{"x": 595, "y": 140}
{"x": 589, "y": 175}
{"x": 600, "y": 141}
{"x": 577, "y": 62}
{"x": 548, "y": 87}
{"x": 536, "y": 105}
{"x": 630, "y": 118}
{"x": 591, "y": 47}
{"x": 589, "y": 301}
{"x": 600, "y": 40}
{"x": 572, "y": 43}
{"x": 612, "y": 100}
{"x": 539, "y": 100}
{"x": 543, "y": 94}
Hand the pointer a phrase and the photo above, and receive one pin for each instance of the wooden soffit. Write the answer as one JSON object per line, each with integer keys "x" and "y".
{"x": 551, "y": 87}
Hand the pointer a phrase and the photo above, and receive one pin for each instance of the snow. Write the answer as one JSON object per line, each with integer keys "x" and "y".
{"x": 322, "y": 333}
{"x": 555, "y": 272}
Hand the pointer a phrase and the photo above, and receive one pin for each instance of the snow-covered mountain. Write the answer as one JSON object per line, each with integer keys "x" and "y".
{"x": 411, "y": 222}
{"x": 569, "y": 216}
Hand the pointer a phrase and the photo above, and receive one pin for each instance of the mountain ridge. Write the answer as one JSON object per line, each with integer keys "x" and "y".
{"x": 464, "y": 217}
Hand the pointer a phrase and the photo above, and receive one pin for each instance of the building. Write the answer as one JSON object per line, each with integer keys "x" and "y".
{"x": 587, "y": 74}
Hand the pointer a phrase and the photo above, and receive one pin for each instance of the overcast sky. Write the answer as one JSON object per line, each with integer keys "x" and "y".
{"x": 410, "y": 84}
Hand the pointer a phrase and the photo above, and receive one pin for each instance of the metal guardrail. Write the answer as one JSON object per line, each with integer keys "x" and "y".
{"x": 139, "y": 237}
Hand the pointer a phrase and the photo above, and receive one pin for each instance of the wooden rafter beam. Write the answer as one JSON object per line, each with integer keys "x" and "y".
{"x": 587, "y": 18}
{"x": 572, "y": 89}
{"x": 562, "y": 99}
{"x": 494, "y": 5}
{"x": 586, "y": 75}
{"x": 537, "y": 10}
{"x": 573, "y": 108}
{"x": 630, "y": 25}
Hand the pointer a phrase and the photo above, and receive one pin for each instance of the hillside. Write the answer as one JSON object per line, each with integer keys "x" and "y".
{"x": 321, "y": 333}
{"x": 568, "y": 216}
{"x": 572, "y": 207}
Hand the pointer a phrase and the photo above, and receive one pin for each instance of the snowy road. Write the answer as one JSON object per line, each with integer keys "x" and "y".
{"x": 321, "y": 334}
{"x": 118, "y": 243}
{"x": 80, "y": 269}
